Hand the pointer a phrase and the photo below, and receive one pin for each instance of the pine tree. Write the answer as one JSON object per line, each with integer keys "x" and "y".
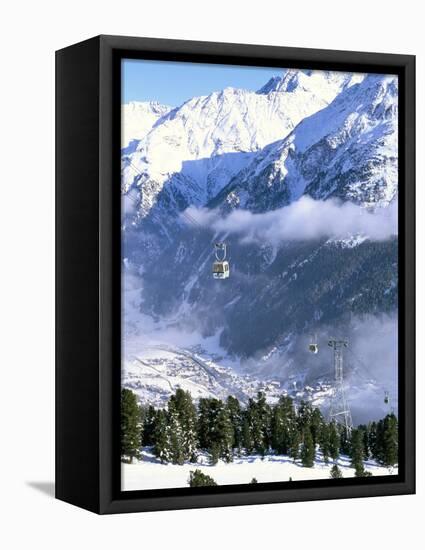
{"x": 305, "y": 416}
{"x": 260, "y": 422}
{"x": 161, "y": 446}
{"x": 182, "y": 406}
{"x": 307, "y": 449}
{"x": 254, "y": 480}
{"x": 356, "y": 452}
{"x": 278, "y": 430}
{"x": 204, "y": 430}
{"x": 316, "y": 422}
{"x": 291, "y": 416}
{"x": 372, "y": 441}
{"x": 149, "y": 421}
{"x": 235, "y": 415}
{"x": 335, "y": 472}
{"x": 216, "y": 429}
{"x": 383, "y": 440}
{"x": 283, "y": 423}
{"x": 131, "y": 426}
{"x": 247, "y": 441}
{"x": 199, "y": 479}
{"x": 294, "y": 444}
{"x": 366, "y": 448}
{"x": 214, "y": 451}
{"x": 344, "y": 440}
{"x": 208, "y": 410}
{"x": 379, "y": 452}
{"x": 334, "y": 441}
{"x": 324, "y": 441}
{"x": 175, "y": 435}
{"x": 390, "y": 440}
{"x": 224, "y": 434}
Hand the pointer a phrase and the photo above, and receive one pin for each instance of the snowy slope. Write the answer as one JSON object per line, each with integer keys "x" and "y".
{"x": 348, "y": 150}
{"x": 138, "y": 117}
{"x": 194, "y": 151}
{"x": 149, "y": 473}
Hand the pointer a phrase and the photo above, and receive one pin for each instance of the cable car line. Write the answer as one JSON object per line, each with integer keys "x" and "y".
{"x": 221, "y": 267}
{"x": 380, "y": 386}
{"x": 133, "y": 166}
{"x": 362, "y": 371}
{"x": 183, "y": 213}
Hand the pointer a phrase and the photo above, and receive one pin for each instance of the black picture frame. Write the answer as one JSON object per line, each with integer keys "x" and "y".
{"x": 88, "y": 273}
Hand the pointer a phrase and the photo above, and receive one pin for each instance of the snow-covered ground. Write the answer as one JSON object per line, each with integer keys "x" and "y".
{"x": 149, "y": 473}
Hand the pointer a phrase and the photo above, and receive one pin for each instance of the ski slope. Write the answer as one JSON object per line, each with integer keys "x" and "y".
{"x": 149, "y": 473}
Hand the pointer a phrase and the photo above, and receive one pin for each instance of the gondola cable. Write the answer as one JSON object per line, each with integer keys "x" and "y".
{"x": 221, "y": 267}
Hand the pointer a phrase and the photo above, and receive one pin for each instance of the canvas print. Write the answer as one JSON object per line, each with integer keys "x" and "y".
{"x": 259, "y": 275}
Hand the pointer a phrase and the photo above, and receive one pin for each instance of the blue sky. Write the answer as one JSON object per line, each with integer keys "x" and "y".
{"x": 172, "y": 83}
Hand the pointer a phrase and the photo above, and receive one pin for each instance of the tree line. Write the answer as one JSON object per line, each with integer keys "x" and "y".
{"x": 225, "y": 429}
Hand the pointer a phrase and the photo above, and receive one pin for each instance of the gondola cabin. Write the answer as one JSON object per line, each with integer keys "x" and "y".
{"x": 313, "y": 348}
{"x": 221, "y": 270}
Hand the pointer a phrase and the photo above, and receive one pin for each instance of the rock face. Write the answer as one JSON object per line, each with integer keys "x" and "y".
{"x": 305, "y": 133}
{"x": 347, "y": 150}
{"x": 192, "y": 152}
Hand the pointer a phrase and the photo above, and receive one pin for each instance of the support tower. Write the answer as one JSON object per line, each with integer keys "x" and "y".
{"x": 339, "y": 410}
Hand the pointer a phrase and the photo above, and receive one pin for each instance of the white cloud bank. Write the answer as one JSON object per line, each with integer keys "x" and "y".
{"x": 304, "y": 219}
{"x": 129, "y": 203}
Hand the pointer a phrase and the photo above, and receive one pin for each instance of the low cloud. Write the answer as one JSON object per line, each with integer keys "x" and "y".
{"x": 305, "y": 219}
{"x": 129, "y": 203}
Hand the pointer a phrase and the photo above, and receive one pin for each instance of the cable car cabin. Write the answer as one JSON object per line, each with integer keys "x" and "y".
{"x": 221, "y": 270}
{"x": 313, "y": 348}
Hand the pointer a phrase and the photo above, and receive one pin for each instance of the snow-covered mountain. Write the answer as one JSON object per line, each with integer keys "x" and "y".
{"x": 192, "y": 153}
{"x": 303, "y": 133}
{"x": 138, "y": 118}
{"x": 347, "y": 150}
{"x": 325, "y": 84}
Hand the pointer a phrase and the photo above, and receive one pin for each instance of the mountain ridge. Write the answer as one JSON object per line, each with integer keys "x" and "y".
{"x": 198, "y": 147}
{"x": 319, "y": 153}
{"x": 345, "y": 149}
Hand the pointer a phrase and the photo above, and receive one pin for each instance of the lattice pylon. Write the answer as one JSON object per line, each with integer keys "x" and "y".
{"x": 339, "y": 410}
